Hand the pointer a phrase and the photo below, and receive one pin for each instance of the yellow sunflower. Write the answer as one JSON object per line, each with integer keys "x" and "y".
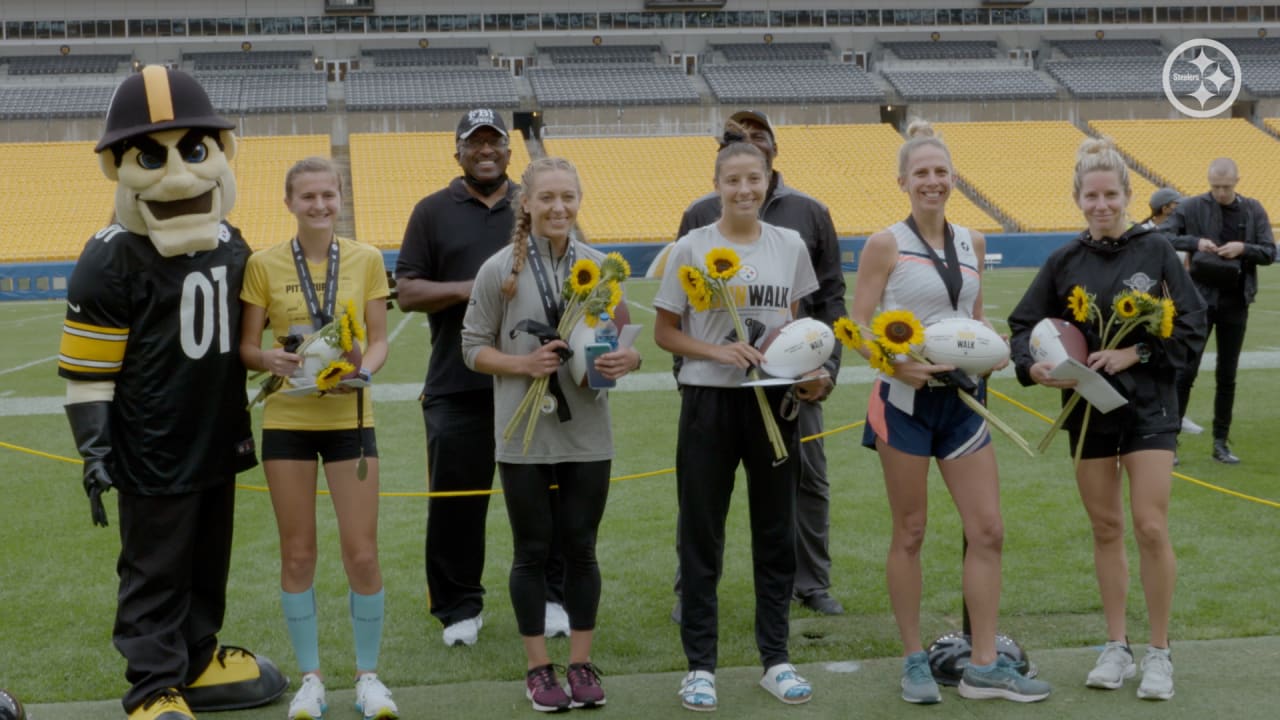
{"x": 1079, "y": 304}
{"x": 344, "y": 332}
{"x": 1167, "y": 312}
{"x": 1126, "y": 306}
{"x": 847, "y": 333}
{"x": 615, "y": 296}
{"x": 722, "y": 263}
{"x": 879, "y": 360}
{"x": 615, "y": 266}
{"x": 583, "y": 276}
{"x": 897, "y": 331}
{"x": 328, "y": 378}
{"x": 356, "y": 328}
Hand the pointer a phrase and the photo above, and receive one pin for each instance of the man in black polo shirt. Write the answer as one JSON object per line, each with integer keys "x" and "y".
{"x": 790, "y": 208}
{"x": 1219, "y": 226}
{"x": 450, "y": 234}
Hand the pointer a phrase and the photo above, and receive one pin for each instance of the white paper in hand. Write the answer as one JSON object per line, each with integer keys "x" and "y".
{"x": 1091, "y": 386}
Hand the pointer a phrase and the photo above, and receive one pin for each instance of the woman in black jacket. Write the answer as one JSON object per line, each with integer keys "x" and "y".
{"x": 1109, "y": 258}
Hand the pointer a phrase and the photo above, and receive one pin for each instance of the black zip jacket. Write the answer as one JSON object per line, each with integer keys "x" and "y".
{"x": 1141, "y": 259}
{"x": 1201, "y": 216}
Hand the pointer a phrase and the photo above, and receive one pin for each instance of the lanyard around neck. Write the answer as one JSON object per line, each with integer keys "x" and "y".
{"x": 950, "y": 270}
{"x": 320, "y": 316}
{"x": 551, "y": 300}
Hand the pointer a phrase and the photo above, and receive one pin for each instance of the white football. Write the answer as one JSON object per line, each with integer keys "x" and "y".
{"x": 579, "y": 339}
{"x": 797, "y": 348}
{"x": 967, "y": 344}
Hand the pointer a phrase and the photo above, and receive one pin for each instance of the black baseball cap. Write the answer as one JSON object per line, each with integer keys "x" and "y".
{"x": 480, "y": 117}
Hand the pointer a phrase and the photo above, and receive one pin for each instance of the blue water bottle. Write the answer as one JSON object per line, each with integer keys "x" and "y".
{"x": 606, "y": 340}
{"x": 607, "y": 332}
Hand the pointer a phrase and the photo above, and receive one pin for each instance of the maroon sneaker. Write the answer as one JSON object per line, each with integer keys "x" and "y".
{"x": 544, "y": 691}
{"x": 584, "y": 683}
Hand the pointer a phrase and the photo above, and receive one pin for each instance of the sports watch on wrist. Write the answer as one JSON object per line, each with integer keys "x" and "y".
{"x": 1144, "y": 352}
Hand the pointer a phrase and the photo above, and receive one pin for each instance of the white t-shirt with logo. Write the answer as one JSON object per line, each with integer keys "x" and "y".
{"x": 775, "y": 272}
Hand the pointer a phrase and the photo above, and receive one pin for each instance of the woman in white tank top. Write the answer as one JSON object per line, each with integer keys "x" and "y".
{"x": 910, "y": 266}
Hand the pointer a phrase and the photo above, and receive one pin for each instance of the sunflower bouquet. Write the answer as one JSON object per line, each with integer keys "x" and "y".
{"x": 330, "y": 355}
{"x": 895, "y": 333}
{"x": 710, "y": 285}
{"x": 589, "y": 289}
{"x": 1130, "y": 310}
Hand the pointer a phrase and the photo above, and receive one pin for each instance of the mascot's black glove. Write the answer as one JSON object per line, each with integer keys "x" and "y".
{"x": 91, "y": 426}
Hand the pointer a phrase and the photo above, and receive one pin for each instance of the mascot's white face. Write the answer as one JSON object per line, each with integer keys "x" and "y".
{"x": 175, "y": 186}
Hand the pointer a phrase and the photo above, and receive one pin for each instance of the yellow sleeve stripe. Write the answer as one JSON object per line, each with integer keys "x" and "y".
{"x": 108, "y": 332}
{"x": 91, "y": 349}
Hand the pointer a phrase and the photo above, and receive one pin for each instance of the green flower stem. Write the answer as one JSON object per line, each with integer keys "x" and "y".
{"x": 1084, "y": 428}
{"x": 991, "y": 418}
{"x": 721, "y": 287}
{"x": 1057, "y": 423}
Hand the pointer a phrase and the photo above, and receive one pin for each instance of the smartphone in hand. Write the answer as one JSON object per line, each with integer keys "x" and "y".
{"x": 594, "y": 379}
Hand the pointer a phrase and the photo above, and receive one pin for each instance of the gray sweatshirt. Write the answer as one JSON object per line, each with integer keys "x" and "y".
{"x": 489, "y": 321}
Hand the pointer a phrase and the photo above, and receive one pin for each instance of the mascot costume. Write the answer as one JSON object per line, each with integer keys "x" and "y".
{"x": 156, "y": 394}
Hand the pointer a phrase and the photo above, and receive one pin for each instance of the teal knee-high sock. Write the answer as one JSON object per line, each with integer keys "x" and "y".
{"x": 300, "y": 616}
{"x": 366, "y": 624}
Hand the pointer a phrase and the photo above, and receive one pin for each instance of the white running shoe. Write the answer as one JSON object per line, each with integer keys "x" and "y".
{"x": 463, "y": 632}
{"x": 308, "y": 703}
{"x": 373, "y": 699}
{"x": 1190, "y": 427}
{"x": 557, "y": 621}
{"x": 1114, "y": 666}
{"x": 1157, "y": 675}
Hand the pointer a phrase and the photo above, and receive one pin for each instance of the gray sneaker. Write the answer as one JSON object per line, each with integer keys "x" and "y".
{"x": 1157, "y": 675}
{"x": 1001, "y": 681}
{"x": 917, "y": 680}
{"x": 1114, "y": 666}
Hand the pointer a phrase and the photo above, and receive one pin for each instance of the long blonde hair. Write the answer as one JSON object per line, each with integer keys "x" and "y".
{"x": 524, "y": 222}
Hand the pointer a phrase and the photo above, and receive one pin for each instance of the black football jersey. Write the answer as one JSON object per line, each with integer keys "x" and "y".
{"x": 167, "y": 332}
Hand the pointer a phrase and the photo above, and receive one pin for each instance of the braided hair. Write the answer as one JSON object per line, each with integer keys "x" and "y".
{"x": 524, "y": 222}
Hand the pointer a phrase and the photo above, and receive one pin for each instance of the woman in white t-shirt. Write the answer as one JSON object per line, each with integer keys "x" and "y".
{"x": 721, "y": 426}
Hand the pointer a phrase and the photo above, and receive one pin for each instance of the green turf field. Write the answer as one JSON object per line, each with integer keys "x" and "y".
{"x": 57, "y": 579}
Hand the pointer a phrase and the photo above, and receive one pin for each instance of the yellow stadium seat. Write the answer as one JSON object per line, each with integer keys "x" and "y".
{"x": 1026, "y": 170}
{"x": 260, "y": 165}
{"x": 56, "y": 197}
{"x": 1179, "y": 152}
{"x": 391, "y": 172}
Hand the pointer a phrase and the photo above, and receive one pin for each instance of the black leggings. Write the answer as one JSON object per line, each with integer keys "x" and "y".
{"x": 537, "y": 514}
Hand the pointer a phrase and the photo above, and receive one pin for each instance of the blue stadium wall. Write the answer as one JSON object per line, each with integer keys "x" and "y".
{"x": 48, "y": 281}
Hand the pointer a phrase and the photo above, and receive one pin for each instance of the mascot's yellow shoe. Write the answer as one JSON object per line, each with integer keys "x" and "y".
{"x": 167, "y": 704}
{"x": 235, "y": 679}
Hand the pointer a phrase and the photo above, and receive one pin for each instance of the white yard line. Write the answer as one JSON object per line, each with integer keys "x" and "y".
{"x": 20, "y": 321}
{"x": 399, "y": 327}
{"x": 24, "y": 366}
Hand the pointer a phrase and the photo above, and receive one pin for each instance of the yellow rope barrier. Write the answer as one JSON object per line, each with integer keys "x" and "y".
{"x": 667, "y": 471}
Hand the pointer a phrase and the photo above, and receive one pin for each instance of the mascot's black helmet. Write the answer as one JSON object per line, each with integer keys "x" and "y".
{"x": 154, "y": 99}
{"x": 10, "y": 708}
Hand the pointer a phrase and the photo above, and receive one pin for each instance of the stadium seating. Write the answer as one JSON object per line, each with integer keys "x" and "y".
{"x": 611, "y": 85}
{"x": 985, "y": 84}
{"x": 774, "y": 52}
{"x": 255, "y": 60}
{"x": 754, "y": 83}
{"x": 1125, "y": 77}
{"x": 429, "y": 89}
{"x": 1025, "y": 171}
{"x": 425, "y": 57}
{"x": 854, "y": 170}
{"x": 601, "y": 55}
{"x": 65, "y": 64}
{"x": 68, "y": 101}
{"x": 948, "y": 50}
{"x": 238, "y": 92}
{"x": 391, "y": 172}
{"x": 1273, "y": 124}
{"x": 260, "y": 166}
{"x": 1263, "y": 76}
{"x": 55, "y": 199}
{"x": 1179, "y": 152}
{"x": 635, "y": 189}
{"x": 1108, "y": 48}
{"x": 1262, "y": 47}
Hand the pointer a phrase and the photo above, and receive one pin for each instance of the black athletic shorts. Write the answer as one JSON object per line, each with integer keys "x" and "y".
{"x": 1122, "y": 443}
{"x": 328, "y": 445}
